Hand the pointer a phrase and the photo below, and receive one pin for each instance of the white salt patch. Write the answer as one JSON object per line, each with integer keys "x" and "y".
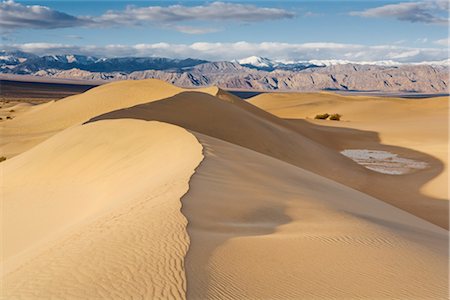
{"x": 383, "y": 161}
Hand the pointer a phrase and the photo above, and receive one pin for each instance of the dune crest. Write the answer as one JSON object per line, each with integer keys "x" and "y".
{"x": 43, "y": 121}
{"x": 94, "y": 212}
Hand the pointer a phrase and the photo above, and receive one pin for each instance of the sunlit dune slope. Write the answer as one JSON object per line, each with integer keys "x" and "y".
{"x": 42, "y": 121}
{"x": 264, "y": 229}
{"x": 94, "y": 212}
{"x": 243, "y": 124}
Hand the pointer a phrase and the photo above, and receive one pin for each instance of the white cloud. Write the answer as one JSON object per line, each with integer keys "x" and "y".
{"x": 239, "y": 50}
{"x": 15, "y": 15}
{"x": 431, "y": 12}
{"x": 443, "y": 42}
{"x": 217, "y": 11}
{"x": 194, "y": 30}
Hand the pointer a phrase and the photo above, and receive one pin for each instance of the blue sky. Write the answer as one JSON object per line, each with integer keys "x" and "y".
{"x": 405, "y": 31}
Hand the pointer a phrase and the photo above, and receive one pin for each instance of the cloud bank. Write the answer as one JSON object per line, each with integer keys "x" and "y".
{"x": 15, "y": 16}
{"x": 216, "y": 11}
{"x": 430, "y": 12}
{"x": 239, "y": 50}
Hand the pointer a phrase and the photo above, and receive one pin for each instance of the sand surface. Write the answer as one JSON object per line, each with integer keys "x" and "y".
{"x": 94, "y": 212}
{"x": 142, "y": 190}
{"x": 263, "y": 229}
{"x": 42, "y": 121}
{"x": 418, "y": 124}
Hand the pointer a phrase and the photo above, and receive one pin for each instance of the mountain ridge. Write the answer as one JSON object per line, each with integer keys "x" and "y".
{"x": 254, "y": 73}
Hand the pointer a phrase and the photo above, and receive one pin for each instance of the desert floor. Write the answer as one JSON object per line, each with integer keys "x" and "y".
{"x": 143, "y": 190}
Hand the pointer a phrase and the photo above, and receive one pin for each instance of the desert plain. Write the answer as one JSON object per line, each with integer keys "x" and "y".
{"x": 144, "y": 190}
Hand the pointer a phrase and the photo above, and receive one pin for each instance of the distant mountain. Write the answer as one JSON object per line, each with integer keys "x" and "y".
{"x": 14, "y": 58}
{"x": 19, "y": 63}
{"x": 266, "y": 64}
{"x": 250, "y": 73}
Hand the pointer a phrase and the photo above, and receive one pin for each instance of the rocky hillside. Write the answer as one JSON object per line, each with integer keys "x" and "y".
{"x": 244, "y": 74}
{"x": 423, "y": 78}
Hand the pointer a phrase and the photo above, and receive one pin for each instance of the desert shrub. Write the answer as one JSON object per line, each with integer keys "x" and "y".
{"x": 322, "y": 116}
{"x": 2, "y": 158}
{"x": 12, "y": 110}
{"x": 9, "y": 118}
{"x": 335, "y": 117}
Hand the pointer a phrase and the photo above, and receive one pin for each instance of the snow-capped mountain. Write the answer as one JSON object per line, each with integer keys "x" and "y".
{"x": 256, "y": 61}
{"x": 14, "y": 57}
{"x": 69, "y": 59}
{"x": 262, "y": 63}
{"x": 266, "y": 64}
{"x": 24, "y": 63}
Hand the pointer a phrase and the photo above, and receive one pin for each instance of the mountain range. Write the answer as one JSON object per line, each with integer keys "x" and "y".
{"x": 254, "y": 72}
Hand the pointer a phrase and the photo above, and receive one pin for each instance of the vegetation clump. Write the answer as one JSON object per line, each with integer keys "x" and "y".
{"x": 335, "y": 117}
{"x": 2, "y": 158}
{"x": 322, "y": 116}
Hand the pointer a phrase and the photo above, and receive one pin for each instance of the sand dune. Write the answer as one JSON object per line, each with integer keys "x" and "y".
{"x": 419, "y": 124}
{"x": 93, "y": 205}
{"x": 416, "y": 129}
{"x": 94, "y": 212}
{"x": 243, "y": 124}
{"x": 263, "y": 229}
